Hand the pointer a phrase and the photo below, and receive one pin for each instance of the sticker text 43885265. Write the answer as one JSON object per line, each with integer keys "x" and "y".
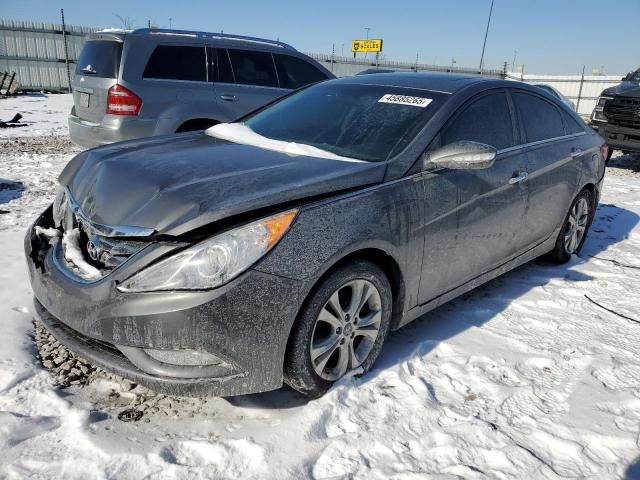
{"x": 405, "y": 100}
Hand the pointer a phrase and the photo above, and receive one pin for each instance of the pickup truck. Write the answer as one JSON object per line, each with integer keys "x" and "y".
{"x": 616, "y": 116}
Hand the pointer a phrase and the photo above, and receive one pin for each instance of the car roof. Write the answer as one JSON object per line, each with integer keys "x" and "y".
{"x": 190, "y": 35}
{"x": 433, "y": 81}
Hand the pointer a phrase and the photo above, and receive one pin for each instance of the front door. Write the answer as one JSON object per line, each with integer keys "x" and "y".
{"x": 474, "y": 218}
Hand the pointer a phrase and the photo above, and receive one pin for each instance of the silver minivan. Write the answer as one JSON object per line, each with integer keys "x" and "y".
{"x": 154, "y": 82}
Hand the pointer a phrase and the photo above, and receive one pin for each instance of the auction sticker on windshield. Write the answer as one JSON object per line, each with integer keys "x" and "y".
{"x": 405, "y": 100}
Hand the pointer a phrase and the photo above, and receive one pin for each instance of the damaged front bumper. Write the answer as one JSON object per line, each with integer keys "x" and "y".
{"x": 222, "y": 342}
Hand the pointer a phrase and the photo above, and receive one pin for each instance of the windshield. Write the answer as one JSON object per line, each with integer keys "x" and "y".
{"x": 365, "y": 122}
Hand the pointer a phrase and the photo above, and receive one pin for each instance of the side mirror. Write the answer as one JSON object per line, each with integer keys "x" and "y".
{"x": 462, "y": 155}
{"x": 626, "y": 77}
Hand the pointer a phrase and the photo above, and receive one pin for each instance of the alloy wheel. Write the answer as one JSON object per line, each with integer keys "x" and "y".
{"x": 346, "y": 329}
{"x": 576, "y": 225}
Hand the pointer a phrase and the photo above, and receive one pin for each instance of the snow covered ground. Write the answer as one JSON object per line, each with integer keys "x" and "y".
{"x": 44, "y": 114}
{"x": 534, "y": 375}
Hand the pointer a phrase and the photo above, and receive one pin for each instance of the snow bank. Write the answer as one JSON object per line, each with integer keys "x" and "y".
{"x": 45, "y": 114}
{"x": 73, "y": 254}
{"x": 242, "y": 134}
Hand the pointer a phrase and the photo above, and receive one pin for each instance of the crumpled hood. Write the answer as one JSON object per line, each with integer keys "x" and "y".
{"x": 628, "y": 89}
{"x": 175, "y": 184}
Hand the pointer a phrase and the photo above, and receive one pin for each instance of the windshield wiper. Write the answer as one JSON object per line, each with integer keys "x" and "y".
{"x": 89, "y": 69}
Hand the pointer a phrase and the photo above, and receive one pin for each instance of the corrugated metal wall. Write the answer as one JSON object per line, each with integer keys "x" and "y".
{"x": 35, "y": 51}
{"x": 570, "y": 86}
{"x": 345, "y": 66}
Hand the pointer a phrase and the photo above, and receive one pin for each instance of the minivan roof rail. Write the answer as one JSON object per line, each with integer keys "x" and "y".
{"x": 222, "y": 35}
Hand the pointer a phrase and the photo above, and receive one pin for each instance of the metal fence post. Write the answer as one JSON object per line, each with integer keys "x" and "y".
{"x": 66, "y": 50}
{"x": 580, "y": 91}
{"x": 333, "y": 52}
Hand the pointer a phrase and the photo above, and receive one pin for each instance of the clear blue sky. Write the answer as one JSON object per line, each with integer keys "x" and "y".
{"x": 550, "y": 36}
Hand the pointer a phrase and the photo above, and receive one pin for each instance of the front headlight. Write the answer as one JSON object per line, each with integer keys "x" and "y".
{"x": 215, "y": 261}
{"x": 598, "y": 112}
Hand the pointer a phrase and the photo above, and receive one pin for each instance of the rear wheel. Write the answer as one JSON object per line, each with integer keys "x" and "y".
{"x": 341, "y": 328}
{"x": 574, "y": 231}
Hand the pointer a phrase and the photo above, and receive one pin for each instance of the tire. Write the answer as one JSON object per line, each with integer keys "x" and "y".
{"x": 570, "y": 239}
{"x": 332, "y": 334}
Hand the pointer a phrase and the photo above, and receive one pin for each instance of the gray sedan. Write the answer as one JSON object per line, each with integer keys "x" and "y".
{"x": 286, "y": 246}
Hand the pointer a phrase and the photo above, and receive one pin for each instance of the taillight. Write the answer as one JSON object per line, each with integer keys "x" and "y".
{"x": 605, "y": 151}
{"x": 122, "y": 101}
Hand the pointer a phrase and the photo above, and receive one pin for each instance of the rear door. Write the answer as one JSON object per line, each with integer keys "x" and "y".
{"x": 474, "y": 218}
{"x": 175, "y": 83}
{"x": 255, "y": 82}
{"x": 97, "y": 70}
{"x": 553, "y": 155}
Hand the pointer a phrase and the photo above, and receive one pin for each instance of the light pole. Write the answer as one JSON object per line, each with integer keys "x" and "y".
{"x": 367, "y": 29}
{"x": 486, "y": 33}
{"x": 513, "y": 64}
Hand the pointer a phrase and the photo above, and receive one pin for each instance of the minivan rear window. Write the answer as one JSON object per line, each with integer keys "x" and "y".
{"x": 295, "y": 73}
{"x": 100, "y": 58}
{"x": 177, "y": 62}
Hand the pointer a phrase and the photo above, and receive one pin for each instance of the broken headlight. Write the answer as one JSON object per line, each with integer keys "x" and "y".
{"x": 215, "y": 261}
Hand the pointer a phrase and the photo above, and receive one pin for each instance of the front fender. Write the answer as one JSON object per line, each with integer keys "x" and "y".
{"x": 386, "y": 218}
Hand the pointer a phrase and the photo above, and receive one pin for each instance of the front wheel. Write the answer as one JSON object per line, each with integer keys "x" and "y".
{"x": 574, "y": 231}
{"x": 341, "y": 327}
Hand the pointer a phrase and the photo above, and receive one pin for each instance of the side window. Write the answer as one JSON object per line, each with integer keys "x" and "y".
{"x": 539, "y": 118}
{"x": 253, "y": 68}
{"x": 220, "y": 66}
{"x": 294, "y": 72}
{"x": 177, "y": 63}
{"x": 486, "y": 120}
{"x": 573, "y": 126}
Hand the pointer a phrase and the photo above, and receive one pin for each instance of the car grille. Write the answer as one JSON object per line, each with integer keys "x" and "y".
{"x": 624, "y": 111}
{"x": 104, "y": 252}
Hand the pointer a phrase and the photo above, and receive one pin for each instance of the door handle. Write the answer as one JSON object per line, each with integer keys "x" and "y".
{"x": 576, "y": 152}
{"x": 228, "y": 97}
{"x": 522, "y": 176}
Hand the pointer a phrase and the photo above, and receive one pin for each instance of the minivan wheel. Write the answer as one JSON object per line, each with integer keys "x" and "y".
{"x": 341, "y": 327}
{"x": 574, "y": 231}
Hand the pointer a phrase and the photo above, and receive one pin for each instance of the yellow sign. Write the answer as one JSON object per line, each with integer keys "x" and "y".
{"x": 371, "y": 45}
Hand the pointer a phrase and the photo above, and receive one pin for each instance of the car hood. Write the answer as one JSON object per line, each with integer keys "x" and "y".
{"x": 628, "y": 89}
{"x": 178, "y": 183}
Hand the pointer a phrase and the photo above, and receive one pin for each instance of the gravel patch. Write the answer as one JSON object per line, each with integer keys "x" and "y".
{"x": 624, "y": 165}
{"x": 108, "y": 392}
{"x": 47, "y": 145}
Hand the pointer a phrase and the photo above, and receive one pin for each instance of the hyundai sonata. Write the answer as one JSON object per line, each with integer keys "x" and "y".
{"x": 285, "y": 246}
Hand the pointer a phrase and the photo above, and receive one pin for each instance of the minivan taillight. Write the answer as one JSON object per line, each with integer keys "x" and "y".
{"x": 122, "y": 101}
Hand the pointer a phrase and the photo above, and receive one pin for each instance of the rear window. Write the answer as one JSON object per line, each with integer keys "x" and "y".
{"x": 100, "y": 58}
{"x": 296, "y": 73}
{"x": 253, "y": 68}
{"x": 173, "y": 62}
{"x": 540, "y": 119}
